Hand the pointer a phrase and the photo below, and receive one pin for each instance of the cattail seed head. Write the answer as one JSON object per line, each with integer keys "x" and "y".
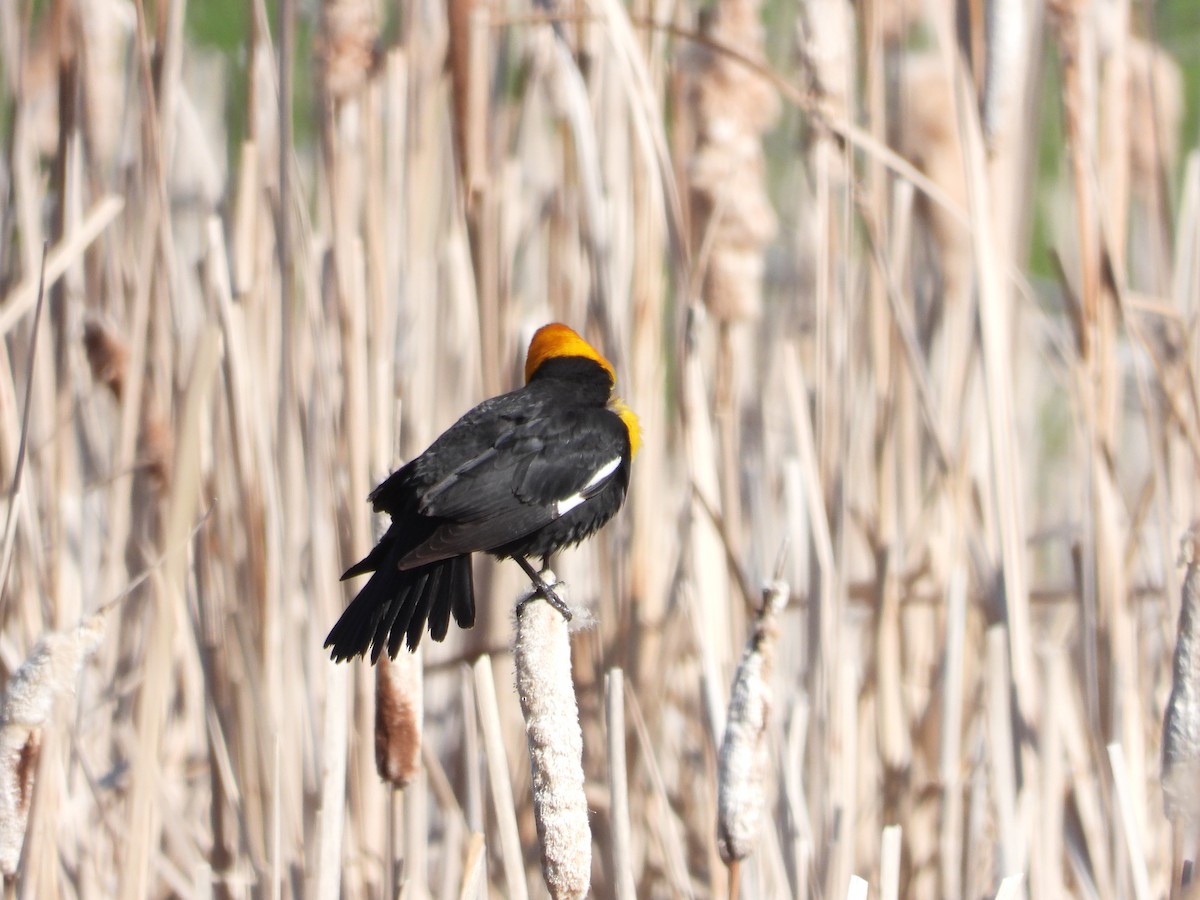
{"x": 1181, "y": 723}
{"x": 347, "y": 45}
{"x": 50, "y": 671}
{"x": 107, "y": 355}
{"x": 399, "y": 708}
{"x": 731, "y": 106}
{"x": 542, "y": 656}
{"x": 742, "y": 765}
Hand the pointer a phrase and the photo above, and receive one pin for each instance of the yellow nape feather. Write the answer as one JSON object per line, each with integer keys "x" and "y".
{"x": 632, "y": 425}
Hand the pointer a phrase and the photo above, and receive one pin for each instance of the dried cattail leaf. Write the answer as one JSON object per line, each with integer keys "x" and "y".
{"x": 930, "y": 139}
{"x": 542, "y": 656}
{"x": 106, "y": 28}
{"x": 399, "y": 710}
{"x": 1156, "y": 108}
{"x": 742, "y": 765}
{"x": 50, "y": 671}
{"x": 1007, "y": 57}
{"x": 896, "y": 18}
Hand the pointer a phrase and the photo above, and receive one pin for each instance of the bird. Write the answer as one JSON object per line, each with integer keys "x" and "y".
{"x": 519, "y": 476}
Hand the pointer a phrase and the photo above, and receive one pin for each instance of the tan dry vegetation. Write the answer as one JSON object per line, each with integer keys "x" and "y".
{"x": 974, "y": 482}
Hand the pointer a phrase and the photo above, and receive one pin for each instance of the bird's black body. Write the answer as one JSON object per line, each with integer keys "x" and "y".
{"x": 520, "y": 475}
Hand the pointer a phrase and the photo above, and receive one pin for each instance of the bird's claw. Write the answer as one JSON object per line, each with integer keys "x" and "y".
{"x": 546, "y": 592}
{"x": 556, "y": 601}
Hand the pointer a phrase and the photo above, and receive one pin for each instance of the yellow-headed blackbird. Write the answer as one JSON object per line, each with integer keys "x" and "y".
{"x": 518, "y": 476}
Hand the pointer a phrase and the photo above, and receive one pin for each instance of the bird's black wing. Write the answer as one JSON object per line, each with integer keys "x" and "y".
{"x": 589, "y": 448}
{"x": 475, "y": 433}
{"x": 531, "y": 475}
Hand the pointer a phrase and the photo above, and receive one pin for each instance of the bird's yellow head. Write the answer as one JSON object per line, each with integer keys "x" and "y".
{"x": 557, "y": 340}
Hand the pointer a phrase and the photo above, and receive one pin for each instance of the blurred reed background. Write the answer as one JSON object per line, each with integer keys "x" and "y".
{"x": 904, "y": 293}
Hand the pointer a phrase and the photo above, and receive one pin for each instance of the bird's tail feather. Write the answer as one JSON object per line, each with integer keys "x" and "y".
{"x": 395, "y": 604}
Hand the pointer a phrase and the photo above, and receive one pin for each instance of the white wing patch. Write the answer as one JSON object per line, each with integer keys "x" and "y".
{"x": 566, "y": 504}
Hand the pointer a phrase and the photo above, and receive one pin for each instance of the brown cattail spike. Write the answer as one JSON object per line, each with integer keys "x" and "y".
{"x": 399, "y": 710}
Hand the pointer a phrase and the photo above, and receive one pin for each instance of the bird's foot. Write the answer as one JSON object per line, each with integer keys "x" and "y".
{"x": 543, "y": 588}
{"x": 553, "y": 599}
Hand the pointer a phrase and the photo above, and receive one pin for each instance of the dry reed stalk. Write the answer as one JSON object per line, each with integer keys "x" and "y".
{"x": 1012, "y": 887}
{"x": 895, "y": 746}
{"x": 474, "y": 879}
{"x": 1077, "y": 78}
{"x": 1087, "y": 791}
{"x": 108, "y": 356}
{"x": 499, "y": 779}
{"x": 825, "y": 44}
{"x": 842, "y": 799}
{"x": 169, "y": 600}
{"x": 546, "y": 687}
{"x": 742, "y": 770}
{"x": 468, "y": 65}
{"x": 891, "y": 844}
{"x": 929, "y": 137}
{"x": 51, "y": 670}
{"x": 335, "y": 737}
{"x": 568, "y": 94}
{"x": 1156, "y": 109}
{"x": 66, "y": 253}
{"x": 1013, "y": 848}
{"x": 1130, "y": 830}
{"x": 1005, "y": 462}
{"x": 18, "y": 479}
{"x": 1006, "y": 30}
{"x": 1046, "y": 854}
{"x": 792, "y": 776}
{"x": 646, "y": 116}
{"x": 667, "y": 831}
{"x": 827, "y": 600}
{"x": 950, "y": 837}
{"x": 106, "y": 29}
{"x": 1095, "y": 97}
{"x": 1110, "y": 38}
{"x": 624, "y": 883}
{"x": 709, "y": 576}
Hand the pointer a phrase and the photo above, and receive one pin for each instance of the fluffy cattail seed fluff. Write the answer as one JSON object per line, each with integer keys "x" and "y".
{"x": 51, "y": 670}
{"x": 542, "y": 657}
{"x": 742, "y": 766}
{"x": 1181, "y": 724}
